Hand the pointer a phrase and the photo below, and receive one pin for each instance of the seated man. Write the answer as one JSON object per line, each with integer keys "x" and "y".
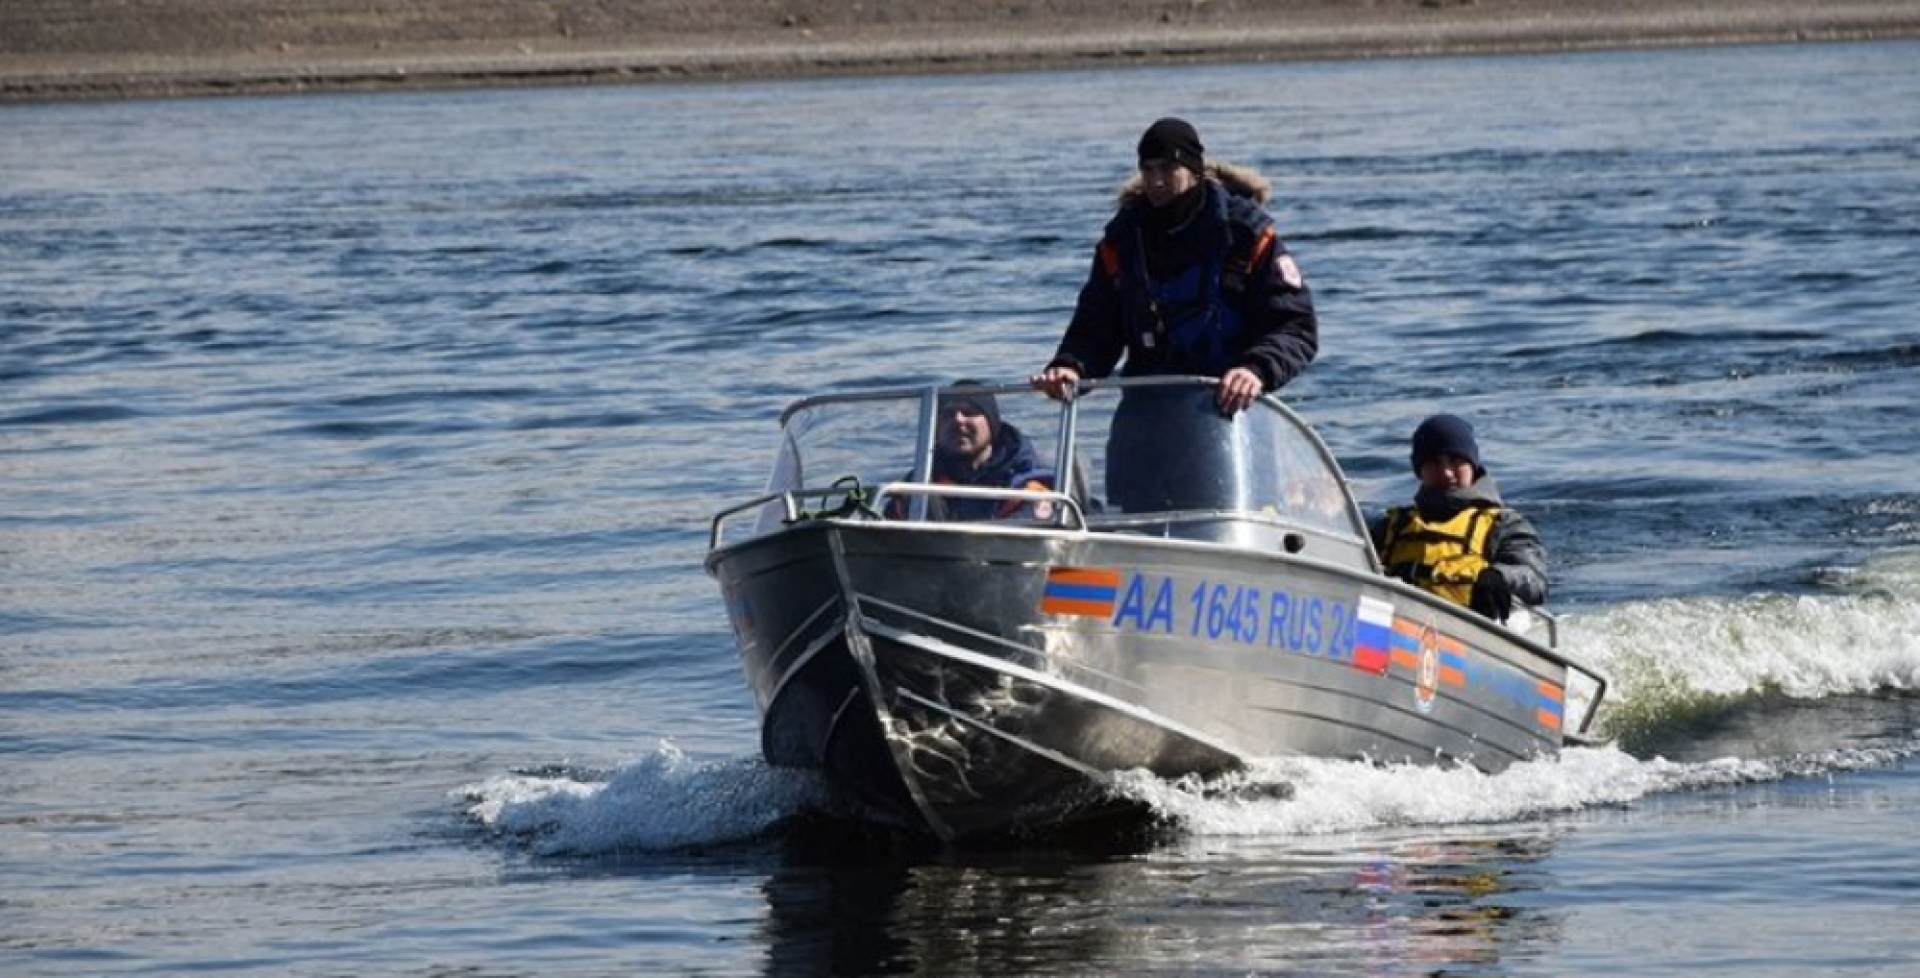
{"x": 973, "y": 447}
{"x": 1459, "y": 539}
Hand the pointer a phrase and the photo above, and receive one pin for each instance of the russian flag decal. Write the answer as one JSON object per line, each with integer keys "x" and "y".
{"x": 1373, "y": 635}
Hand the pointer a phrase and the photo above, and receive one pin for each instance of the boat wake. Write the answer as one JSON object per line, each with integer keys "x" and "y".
{"x": 1708, "y": 693}
{"x": 667, "y": 802}
{"x": 664, "y": 801}
{"x": 1764, "y": 675}
{"x": 1334, "y": 797}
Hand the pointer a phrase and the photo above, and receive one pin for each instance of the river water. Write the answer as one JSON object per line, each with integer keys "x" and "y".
{"x": 356, "y": 456}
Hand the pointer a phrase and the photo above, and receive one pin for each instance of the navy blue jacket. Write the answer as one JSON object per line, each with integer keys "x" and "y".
{"x": 1014, "y": 464}
{"x": 1230, "y": 232}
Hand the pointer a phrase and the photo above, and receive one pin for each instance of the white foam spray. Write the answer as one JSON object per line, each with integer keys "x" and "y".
{"x": 661, "y": 801}
{"x": 1666, "y": 658}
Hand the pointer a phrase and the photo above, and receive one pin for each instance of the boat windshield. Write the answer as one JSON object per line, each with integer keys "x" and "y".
{"x": 1148, "y": 455}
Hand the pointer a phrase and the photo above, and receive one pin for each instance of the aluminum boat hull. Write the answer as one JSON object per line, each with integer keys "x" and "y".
{"x": 932, "y": 673}
{"x": 977, "y": 679}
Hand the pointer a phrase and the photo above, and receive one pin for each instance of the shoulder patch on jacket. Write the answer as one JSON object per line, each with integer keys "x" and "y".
{"x": 1289, "y": 272}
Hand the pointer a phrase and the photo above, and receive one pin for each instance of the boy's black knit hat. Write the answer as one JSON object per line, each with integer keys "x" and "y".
{"x": 1444, "y": 434}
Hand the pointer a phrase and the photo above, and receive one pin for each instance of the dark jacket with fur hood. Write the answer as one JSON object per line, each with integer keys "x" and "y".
{"x": 1226, "y": 224}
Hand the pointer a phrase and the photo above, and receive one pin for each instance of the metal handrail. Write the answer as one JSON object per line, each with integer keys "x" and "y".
{"x": 1072, "y": 515}
{"x": 790, "y": 500}
{"x": 1067, "y": 503}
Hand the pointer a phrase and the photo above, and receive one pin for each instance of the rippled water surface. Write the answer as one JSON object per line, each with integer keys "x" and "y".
{"x": 356, "y": 456}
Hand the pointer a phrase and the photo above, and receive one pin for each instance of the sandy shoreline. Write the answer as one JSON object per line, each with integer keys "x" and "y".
{"x": 84, "y": 49}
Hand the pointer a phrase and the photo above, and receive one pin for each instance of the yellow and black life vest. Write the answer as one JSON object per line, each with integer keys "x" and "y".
{"x": 1444, "y": 557}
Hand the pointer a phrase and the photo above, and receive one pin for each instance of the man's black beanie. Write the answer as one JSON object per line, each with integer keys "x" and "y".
{"x": 980, "y": 399}
{"x": 1176, "y": 140}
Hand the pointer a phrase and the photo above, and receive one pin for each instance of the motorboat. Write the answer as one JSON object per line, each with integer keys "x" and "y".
{"x": 1185, "y": 593}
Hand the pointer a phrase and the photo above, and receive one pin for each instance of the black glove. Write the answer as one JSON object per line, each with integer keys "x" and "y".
{"x": 1491, "y": 595}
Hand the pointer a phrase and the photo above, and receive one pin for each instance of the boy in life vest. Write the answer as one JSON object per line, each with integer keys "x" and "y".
{"x": 1458, "y": 539}
{"x": 1190, "y": 277}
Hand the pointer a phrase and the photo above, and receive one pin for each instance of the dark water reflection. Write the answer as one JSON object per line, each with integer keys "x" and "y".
{"x": 842, "y": 900}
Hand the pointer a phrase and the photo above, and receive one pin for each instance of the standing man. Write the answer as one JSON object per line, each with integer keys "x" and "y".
{"x": 1189, "y": 278}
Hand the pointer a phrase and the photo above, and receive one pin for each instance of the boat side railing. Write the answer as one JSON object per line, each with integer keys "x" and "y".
{"x": 1045, "y": 506}
{"x": 1553, "y": 624}
{"x": 845, "y": 500}
{"x": 1585, "y": 687}
{"x": 851, "y": 500}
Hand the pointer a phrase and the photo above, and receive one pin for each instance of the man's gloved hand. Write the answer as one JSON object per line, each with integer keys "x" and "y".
{"x": 1491, "y": 595}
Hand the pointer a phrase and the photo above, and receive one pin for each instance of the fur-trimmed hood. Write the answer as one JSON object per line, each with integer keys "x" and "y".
{"x": 1240, "y": 181}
